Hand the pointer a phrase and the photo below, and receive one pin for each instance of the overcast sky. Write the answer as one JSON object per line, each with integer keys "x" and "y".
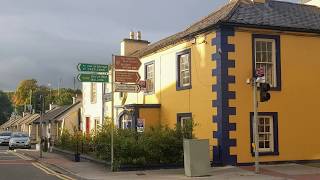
{"x": 46, "y": 39}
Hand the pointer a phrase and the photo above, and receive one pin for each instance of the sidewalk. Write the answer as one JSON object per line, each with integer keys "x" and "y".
{"x": 93, "y": 171}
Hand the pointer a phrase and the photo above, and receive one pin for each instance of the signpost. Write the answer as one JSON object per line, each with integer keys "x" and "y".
{"x": 127, "y": 63}
{"x": 93, "y": 78}
{"x": 129, "y": 88}
{"x": 93, "y": 67}
{"x": 127, "y": 77}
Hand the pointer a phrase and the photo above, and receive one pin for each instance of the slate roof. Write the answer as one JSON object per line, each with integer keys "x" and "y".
{"x": 244, "y": 13}
{"x": 54, "y": 113}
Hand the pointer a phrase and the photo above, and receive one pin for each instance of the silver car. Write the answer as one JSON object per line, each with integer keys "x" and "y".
{"x": 19, "y": 140}
{"x": 5, "y": 137}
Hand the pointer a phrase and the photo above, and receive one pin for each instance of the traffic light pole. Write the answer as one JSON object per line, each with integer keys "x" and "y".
{"x": 255, "y": 126}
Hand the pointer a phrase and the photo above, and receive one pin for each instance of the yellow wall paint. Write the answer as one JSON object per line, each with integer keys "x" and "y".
{"x": 151, "y": 117}
{"x": 297, "y": 104}
{"x": 197, "y": 100}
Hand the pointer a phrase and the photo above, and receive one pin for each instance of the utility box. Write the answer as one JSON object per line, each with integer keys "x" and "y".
{"x": 196, "y": 157}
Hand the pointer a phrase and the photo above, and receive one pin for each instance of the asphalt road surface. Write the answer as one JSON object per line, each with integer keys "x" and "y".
{"x": 15, "y": 166}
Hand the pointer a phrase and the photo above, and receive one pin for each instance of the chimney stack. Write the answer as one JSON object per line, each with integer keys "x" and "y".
{"x": 133, "y": 43}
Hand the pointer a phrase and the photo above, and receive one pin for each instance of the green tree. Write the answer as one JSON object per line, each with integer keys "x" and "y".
{"x": 5, "y": 107}
{"x": 65, "y": 96}
{"x": 22, "y": 94}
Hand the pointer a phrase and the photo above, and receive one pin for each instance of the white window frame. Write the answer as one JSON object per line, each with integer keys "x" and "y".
{"x": 271, "y": 134}
{"x": 93, "y": 93}
{"x": 273, "y": 63}
{"x": 184, "y": 73}
{"x": 150, "y": 77}
{"x": 183, "y": 119}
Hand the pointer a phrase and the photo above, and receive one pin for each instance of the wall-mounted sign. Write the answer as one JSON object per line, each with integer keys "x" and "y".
{"x": 140, "y": 125}
{"x": 108, "y": 97}
{"x": 127, "y": 63}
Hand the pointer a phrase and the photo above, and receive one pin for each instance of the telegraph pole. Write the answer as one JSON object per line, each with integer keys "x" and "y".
{"x": 112, "y": 110}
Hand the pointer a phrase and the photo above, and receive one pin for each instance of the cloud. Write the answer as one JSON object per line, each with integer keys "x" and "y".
{"x": 45, "y": 39}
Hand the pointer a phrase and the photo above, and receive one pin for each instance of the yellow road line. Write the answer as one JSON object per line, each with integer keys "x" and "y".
{"x": 46, "y": 169}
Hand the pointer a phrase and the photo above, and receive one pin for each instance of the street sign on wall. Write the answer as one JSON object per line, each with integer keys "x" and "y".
{"x": 93, "y": 78}
{"x": 140, "y": 125}
{"x": 127, "y": 63}
{"x": 127, "y": 77}
{"x": 129, "y": 88}
{"x": 93, "y": 67}
{"x": 108, "y": 97}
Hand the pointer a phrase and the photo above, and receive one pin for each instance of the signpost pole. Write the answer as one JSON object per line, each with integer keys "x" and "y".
{"x": 255, "y": 126}
{"x": 112, "y": 109}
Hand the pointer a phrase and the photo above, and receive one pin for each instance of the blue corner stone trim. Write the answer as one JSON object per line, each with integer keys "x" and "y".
{"x": 221, "y": 152}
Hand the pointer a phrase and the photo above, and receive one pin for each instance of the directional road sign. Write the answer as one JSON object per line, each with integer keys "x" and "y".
{"x": 93, "y": 67}
{"x": 93, "y": 78}
{"x": 127, "y": 63}
{"x": 127, "y": 76}
{"x": 129, "y": 88}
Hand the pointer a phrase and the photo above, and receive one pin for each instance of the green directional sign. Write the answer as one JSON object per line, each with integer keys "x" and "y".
{"x": 93, "y": 78}
{"x": 93, "y": 67}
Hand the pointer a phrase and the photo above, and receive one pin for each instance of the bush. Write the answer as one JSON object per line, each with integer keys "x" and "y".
{"x": 156, "y": 146}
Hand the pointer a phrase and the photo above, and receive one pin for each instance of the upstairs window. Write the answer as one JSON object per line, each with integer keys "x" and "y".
{"x": 267, "y": 56}
{"x": 184, "y": 70}
{"x": 149, "y": 77}
{"x": 93, "y": 93}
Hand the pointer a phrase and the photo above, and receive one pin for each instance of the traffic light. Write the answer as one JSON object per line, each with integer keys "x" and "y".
{"x": 264, "y": 94}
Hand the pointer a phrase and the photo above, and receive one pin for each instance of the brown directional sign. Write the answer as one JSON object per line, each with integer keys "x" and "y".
{"x": 127, "y": 76}
{"x": 127, "y": 63}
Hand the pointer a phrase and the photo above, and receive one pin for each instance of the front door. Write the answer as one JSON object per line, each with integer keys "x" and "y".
{"x": 87, "y": 125}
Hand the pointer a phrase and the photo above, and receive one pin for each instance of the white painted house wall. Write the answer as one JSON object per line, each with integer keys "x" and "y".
{"x": 89, "y": 109}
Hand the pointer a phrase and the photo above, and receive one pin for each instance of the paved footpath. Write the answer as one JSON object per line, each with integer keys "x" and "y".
{"x": 94, "y": 171}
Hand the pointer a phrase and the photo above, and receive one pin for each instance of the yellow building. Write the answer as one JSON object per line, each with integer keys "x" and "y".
{"x": 202, "y": 73}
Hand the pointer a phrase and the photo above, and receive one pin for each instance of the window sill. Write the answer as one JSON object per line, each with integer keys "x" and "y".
{"x": 178, "y": 88}
{"x": 266, "y": 153}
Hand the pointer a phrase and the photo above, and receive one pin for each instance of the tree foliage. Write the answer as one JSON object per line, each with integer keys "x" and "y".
{"x": 22, "y": 94}
{"x": 30, "y": 88}
{"x": 5, "y": 107}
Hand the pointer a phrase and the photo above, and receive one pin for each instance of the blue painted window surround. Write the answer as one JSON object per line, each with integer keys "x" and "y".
{"x": 186, "y": 71}
{"x": 274, "y": 116}
{"x": 277, "y": 69}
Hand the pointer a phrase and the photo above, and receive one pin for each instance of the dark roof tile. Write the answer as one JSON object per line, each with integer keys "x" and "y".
{"x": 273, "y": 14}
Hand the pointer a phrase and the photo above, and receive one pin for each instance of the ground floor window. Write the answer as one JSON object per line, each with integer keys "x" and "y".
{"x": 184, "y": 122}
{"x": 126, "y": 120}
{"x": 267, "y": 123}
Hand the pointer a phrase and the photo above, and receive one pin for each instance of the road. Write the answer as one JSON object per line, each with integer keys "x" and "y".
{"x": 15, "y": 166}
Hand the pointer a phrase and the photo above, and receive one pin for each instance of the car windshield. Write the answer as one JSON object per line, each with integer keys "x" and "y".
{"x": 5, "y": 134}
{"x": 19, "y": 135}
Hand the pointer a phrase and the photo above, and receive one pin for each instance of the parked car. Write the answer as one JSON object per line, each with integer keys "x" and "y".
{"x": 19, "y": 140}
{"x": 5, "y": 137}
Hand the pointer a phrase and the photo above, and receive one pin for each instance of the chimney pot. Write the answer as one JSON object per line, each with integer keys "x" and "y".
{"x": 138, "y": 36}
{"x": 131, "y": 35}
